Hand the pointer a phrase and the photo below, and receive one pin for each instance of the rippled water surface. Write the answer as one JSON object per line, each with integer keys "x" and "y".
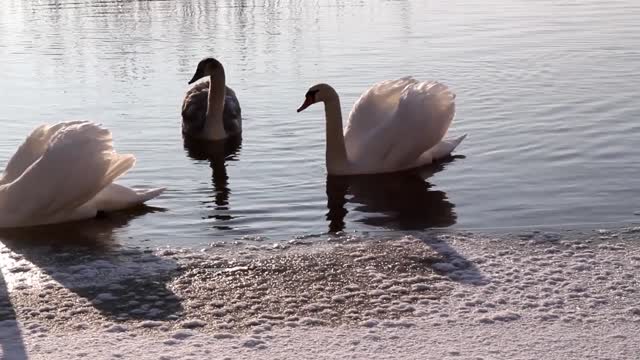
{"x": 546, "y": 90}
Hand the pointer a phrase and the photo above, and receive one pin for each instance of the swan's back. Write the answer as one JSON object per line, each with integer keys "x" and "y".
{"x": 194, "y": 110}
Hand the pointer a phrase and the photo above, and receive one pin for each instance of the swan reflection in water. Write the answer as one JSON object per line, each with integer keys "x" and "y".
{"x": 217, "y": 154}
{"x": 396, "y": 201}
{"x": 97, "y": 235}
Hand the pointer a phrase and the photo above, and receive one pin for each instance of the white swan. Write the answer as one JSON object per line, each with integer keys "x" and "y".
{"x": 65, "y": 172}
{"x": 395, "y": 125}
{"x": 210, "y": 109}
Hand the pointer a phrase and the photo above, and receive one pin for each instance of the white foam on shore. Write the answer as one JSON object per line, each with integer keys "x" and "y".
{"x": 535, "y": 296}
{"x": 455, "y": 341}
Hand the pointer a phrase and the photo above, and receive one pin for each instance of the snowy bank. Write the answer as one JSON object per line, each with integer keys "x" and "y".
{"x": 432, "y": 296}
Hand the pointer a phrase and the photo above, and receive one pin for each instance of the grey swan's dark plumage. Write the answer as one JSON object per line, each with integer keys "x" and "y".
{"x": 201, "y": 114}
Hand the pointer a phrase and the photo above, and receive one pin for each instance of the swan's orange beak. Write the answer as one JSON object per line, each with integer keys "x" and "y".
{"x": 308, "y": 101}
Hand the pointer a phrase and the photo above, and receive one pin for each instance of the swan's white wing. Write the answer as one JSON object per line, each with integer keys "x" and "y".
{"x": 423, "y": 116}
{"x": 374, "y": 108}
{"x": 77, "y": 164}
{"x": 31, "y": 150}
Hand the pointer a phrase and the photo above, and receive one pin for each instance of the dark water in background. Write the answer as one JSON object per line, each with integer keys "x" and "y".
{"x": 547, "y": 91}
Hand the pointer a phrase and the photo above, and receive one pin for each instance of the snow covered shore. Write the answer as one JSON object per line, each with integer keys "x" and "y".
{"x": 537, "y": 295}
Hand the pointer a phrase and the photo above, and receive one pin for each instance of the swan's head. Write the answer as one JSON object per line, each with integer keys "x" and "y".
{"x": 318, "y": 93}
{"x": 206, "y": 67}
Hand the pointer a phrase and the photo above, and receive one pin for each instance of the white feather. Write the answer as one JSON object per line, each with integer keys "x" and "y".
{"x": 400, "y": 124}
{"x": 65, "y": 172}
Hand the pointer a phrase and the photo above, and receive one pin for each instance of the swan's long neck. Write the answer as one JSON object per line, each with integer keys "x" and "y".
{"x": 3, "y": 191}
{"x": 336, "y": 152}
{"x": 214, "y": 127}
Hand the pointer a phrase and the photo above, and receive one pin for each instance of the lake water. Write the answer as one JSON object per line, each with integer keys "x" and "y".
{"x": 547, "y": 91}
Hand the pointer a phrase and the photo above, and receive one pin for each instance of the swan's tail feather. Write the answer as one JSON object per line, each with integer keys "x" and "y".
{"x": 117, "y": 197}
{"x": 442, "y": 150}
{"x": 146, "y": 195}
{"x": 446, "y": 147}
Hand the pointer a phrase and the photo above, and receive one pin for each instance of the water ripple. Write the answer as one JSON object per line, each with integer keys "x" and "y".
{"x": 547, "y": 91}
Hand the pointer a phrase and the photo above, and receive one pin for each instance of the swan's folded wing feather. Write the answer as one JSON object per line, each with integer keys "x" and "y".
{"x": 32, "y": 149}
{"x": 373, "y": 109}
{"x": 232, "y": 114}
{"x": 424, "y": 114}
{"x": 78, "y": 163}
{"x": 194, "y": 107}
{"x": 231, "y": 104}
